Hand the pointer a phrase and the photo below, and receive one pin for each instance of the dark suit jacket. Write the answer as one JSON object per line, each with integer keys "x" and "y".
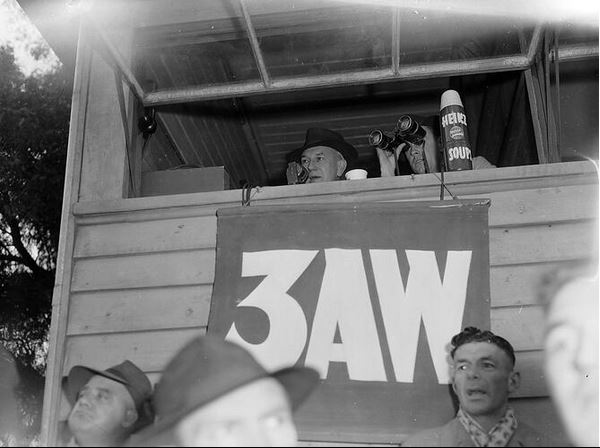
{"x": 453, "y": 434}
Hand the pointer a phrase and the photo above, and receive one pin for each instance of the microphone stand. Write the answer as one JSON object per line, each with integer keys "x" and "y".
{"x": 442, "y": 169}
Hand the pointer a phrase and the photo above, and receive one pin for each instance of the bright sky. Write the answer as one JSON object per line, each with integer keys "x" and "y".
{"x": 17, "y": 31}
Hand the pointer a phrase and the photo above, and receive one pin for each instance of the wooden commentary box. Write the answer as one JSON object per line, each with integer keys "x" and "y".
{"x": 184, "y": 180}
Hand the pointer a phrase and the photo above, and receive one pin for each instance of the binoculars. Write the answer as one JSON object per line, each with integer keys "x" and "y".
{"x": 407, "y": 130}
{"x": 296, "y": 174}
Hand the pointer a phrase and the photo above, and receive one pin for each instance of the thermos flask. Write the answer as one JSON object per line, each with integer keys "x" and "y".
{"x": 454, "y": 132}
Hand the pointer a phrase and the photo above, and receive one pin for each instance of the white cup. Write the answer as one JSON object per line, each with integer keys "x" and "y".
{"x": 356, "y": 174}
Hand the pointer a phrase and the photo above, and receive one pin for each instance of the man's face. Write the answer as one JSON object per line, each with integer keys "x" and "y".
{"x": 571, "y": 358}
{"x": 324, "y": 164}
{"x": 103, "y": 407}
{"x": 417, "y": 154}
{"x": 482, "y": 379}
{"x": 257, "y": 414}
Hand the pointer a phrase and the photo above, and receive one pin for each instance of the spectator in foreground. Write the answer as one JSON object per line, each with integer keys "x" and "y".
{"x": 108, "y": 405}
{"x": 213, "y": 393}
{"x": 570, "y": 296}
{"x": 483, "y": 376}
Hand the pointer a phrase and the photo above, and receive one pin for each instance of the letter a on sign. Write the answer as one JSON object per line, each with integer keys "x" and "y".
{"x": 287, "y": 323}
{"x": 344, "y": 303}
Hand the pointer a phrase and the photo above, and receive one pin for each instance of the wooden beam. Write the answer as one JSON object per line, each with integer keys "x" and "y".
{"x": 551, "y": 124}
{"x": 462, "y": 67}
{"x": 117, "y": 59}
{"x": 575, "y": 52}
{"x": 136, "y": 140}
{"x": 133, "y": 186}
{"x": 396, "y": 41}
{"x": 256, "y": 51}
{"x": 557, "y": 93}
{"x": 537, "y": 116}
{"x": 64, "y": 264}
{"x": 104, "y": 169}
{"x": 465, "y": 183}
{"x": 534, "y": 46}
{"x": 420, "y": 71}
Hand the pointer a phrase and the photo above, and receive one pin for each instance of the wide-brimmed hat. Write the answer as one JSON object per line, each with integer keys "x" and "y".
{"x": 324, "y": 137}
{"x": 204, "y": 370}
{"x": 127, "y": 373}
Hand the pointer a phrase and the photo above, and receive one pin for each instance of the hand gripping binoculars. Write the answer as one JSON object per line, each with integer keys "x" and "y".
{"x": 407, "y": 130}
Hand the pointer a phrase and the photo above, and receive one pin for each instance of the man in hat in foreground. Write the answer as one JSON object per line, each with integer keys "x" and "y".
{"x": 325, "y": 155}
{"x": 214, "y": 393}
{"x": 483, "y": 376}
{"x": 108, "y": 405}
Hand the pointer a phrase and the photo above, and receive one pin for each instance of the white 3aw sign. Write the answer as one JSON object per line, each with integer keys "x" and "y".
{"x": 369, "y": 295}
{"x": 344, "y": 304}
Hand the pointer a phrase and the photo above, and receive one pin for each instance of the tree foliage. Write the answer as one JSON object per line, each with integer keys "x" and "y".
{"x": 34, "y": 128}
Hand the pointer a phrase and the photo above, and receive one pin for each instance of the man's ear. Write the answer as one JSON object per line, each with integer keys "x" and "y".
{"x": 130, "y": 418}
{"x": 514, "y": 381}
{"x": 452, "y": 382}
{"x": 341, "y": 166}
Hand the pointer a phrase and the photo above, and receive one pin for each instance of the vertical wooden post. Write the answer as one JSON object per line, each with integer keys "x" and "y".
{"x": 105, "y": 171}
{"x": 137, "y": 143}
{"x": 396, "y": 41}
{"x": 539, "y": 87}
{"x": 60, "y": 297}
{"x": 553, "y": 124}
{"x": 537, "y": 115}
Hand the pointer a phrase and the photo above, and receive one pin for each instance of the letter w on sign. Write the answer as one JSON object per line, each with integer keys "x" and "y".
{"x": 368, "y": 294}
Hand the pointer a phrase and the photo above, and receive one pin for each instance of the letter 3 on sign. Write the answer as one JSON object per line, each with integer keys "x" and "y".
{"x": 287, "y": 323}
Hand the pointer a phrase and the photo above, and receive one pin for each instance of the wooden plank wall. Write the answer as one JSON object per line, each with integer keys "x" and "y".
{"x": 142, "y": 280}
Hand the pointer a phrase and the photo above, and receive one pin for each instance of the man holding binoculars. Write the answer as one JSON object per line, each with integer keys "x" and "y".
{"x": 420, "y": 144}
{"x": 326, "y": 156}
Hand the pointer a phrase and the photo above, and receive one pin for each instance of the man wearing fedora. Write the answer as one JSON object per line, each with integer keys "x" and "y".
{"x": 108, "y": 405}
{"x": 214, "y": 393}
{"x": 325, "y": 154}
